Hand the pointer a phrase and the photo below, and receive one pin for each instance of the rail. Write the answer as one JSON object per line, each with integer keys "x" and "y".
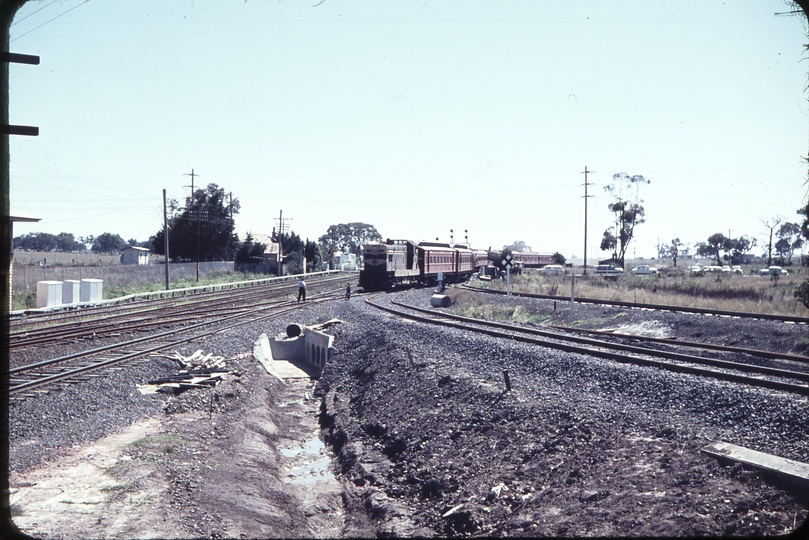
{"x": 620, "y": 353}
{"x": 172, "y": 293}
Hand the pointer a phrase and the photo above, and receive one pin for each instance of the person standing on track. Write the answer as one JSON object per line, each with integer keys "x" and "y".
{"x": 348, "y": 291}
{"x": 301, "y": 290}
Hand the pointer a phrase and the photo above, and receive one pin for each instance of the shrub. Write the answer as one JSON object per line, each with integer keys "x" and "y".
{"x": 802, "y": 292}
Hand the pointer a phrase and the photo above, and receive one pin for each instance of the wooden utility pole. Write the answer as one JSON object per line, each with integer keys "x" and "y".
{"x": 280, "y": 237}
{"x": 586, "y": 196}
{"x": 166, "y": 238}
{"x": 198, "y": 212}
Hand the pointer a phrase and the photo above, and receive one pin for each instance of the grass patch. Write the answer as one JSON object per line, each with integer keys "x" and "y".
{"x": 112, "y": 489}
{"x": 676, "y": 288}
{"x": 588, "y": 322}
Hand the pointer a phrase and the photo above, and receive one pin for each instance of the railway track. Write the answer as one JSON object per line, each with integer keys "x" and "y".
{"x": 22, "y": 380}
{"x": 115, "y": 320}
{"x": 657, "y": 307}
{"x": 738, "y": 369}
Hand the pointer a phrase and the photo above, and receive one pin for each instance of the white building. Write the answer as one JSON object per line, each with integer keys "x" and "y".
{"x": 135, "y": 255}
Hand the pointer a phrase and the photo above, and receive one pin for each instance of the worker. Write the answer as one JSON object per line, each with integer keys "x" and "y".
{"x": 348, "y": 291}
{"x": 301, "y": 290}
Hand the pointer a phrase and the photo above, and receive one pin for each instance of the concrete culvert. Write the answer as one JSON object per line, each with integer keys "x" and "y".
{"x": 294, "y": 330}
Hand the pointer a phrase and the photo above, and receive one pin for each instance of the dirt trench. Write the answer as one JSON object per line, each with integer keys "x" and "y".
{"x": 240, "y": 460}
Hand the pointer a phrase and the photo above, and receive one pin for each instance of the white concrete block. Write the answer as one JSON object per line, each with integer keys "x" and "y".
{"x": 49, "y": 293}
{"x": 91, "y": 290}
{"x": 70, "y": 291}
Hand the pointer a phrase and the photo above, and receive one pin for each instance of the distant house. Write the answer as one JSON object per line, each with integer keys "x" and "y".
{"x": 135, "y": 255}
{"x": 345, "y": 261}
{"x": 271, "y": 248}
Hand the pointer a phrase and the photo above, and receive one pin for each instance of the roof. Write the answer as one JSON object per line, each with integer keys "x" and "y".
{"x": 270, "y": 246}
{"x": 136, "y": 248}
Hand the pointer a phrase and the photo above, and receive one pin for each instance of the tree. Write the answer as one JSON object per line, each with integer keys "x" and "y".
{"x": 674, "y": 250}
{"x": 65, "y": 242}
{"x": 518, "y": 245}
{"x": 738, "y": 248}
{"x": 108, "y": 243}
{"x": 789, "y": 239}
{"x": 628, "y": 214}
{"x": 558, "y": 258}
{"x": 771, "y": 224}
{"x": 348, "y": 238}
{"x": 203, "y": 229}
{"x": 313, "y": 257}
{"x": 292, "y": 247}
{"x": 711, "y": 249}
{"x": 248, "y": 252}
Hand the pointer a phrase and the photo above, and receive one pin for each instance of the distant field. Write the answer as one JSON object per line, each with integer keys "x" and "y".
{"x": 119, "y": 279}
{"x": 676, "y": 287}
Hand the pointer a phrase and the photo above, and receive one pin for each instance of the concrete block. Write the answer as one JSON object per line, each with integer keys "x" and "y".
{"x": 795, "y": 472}
{"x": 70, "y": 291}
{"x": 440, "y": 300}
{"x": 319, "y": 348}
{"x": 91, "y": 290}
{"x": 287, "y": 348}
{"x": 49, "y": 293}
{"x": 313, "y": 348}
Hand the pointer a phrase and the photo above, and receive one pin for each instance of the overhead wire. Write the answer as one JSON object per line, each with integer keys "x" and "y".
{"x": 48, "y": 21}
{"x": 33, "y": 13}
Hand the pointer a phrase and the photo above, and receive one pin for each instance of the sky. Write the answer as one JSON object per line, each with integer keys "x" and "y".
{"x": 418, "y": 117}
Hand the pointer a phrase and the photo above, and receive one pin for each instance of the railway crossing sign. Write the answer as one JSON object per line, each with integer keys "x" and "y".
{"x": 508, "y": 262}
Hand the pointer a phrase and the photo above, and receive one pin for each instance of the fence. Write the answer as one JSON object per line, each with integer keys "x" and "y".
{"x": 26, "y": 274}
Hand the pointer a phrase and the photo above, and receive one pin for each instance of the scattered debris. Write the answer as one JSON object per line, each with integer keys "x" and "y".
{"x": 199, "y": 371}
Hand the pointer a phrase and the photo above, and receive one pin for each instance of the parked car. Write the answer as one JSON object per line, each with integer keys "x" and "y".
{"x": 695, "y": 268}
{"x": 609, "y": 270}
{"x": 772, "y": 270}
{"x": 736, "y": 269}
{"x": 554, "y": 269}
{"x": 644, "y": 270}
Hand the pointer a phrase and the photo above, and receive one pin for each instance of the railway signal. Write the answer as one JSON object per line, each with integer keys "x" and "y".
{"x": 508, "y": 262}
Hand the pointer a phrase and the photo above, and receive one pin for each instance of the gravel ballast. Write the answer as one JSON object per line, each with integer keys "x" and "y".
{"x": 427, "y": 442}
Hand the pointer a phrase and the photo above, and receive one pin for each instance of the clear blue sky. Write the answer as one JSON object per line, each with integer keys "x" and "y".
{"x": 417, "y": 117}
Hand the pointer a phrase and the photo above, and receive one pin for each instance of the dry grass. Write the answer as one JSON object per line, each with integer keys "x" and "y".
{"x": 119, "y": 280}
{"x": 721, "y": 292}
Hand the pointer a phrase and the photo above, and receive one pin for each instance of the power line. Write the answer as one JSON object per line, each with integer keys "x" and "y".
{"x": 48, "y": 21}
{"x": 34, "y": 13}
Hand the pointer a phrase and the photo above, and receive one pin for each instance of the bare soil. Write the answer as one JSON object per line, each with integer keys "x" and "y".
{"x": 213, "y": 466}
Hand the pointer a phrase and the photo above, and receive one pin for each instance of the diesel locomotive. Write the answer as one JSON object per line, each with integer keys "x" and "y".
{"x": 403, "y": 262}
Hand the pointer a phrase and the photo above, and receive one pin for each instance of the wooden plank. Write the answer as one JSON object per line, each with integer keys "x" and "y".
{"x": 792, "y": 470}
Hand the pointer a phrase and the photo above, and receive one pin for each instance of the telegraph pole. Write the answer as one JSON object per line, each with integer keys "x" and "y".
{"x": 166, "y": 238}
{"x": 281, "y": 221}
{"x": 586, "y": 196}
{"x": 198, "y": 212}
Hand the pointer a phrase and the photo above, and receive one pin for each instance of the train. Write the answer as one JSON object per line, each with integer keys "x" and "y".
{"x": 396, "y": 263}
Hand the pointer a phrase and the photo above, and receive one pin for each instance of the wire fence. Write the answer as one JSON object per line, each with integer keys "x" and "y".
{"x": 26, "y": 274}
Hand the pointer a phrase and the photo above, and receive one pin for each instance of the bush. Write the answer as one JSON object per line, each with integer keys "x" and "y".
{"x": 802, "y": 292}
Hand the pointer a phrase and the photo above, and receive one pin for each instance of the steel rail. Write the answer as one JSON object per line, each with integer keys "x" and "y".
{"x": 466, "y": 323}
{"x": 658, "y": 307}
{"x": 86, "y": 328}
{"x": 16, "y": 388}
{"x": 66, "y": 312}
{"x": 695, "y": 344}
